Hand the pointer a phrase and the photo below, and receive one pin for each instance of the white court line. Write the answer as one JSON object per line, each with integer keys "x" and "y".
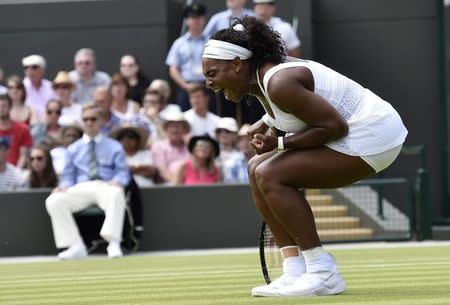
{"x": 343, "y": 246}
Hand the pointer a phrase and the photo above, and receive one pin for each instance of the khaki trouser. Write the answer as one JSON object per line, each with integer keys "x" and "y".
{"x": 61, "y": 205}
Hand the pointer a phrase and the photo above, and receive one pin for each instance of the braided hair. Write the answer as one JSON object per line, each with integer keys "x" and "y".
{"x": 256, "y": 36}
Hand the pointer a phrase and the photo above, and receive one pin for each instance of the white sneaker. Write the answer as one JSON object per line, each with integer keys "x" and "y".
{"x": 270, "y": 289}
{"x": 114, "y": 250}
{"x": 77, "y": 251}
{"x": 314, "y": 284}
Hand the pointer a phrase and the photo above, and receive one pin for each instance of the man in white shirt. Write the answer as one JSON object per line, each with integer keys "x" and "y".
{"x": 265, "y": 10}
{"x": 39, "y": 90}
{"x": 201, "y": 120}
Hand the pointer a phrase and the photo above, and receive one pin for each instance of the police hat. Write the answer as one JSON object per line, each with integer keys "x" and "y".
{"x": 195, "y": 10}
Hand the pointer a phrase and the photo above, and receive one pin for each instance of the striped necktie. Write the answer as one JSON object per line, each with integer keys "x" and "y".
{"x": 93, "y": 168}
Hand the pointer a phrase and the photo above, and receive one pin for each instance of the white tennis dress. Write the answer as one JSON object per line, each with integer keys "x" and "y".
{"x": 374, "y": 125}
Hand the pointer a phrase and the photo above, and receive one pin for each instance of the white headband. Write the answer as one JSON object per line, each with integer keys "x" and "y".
{"x": 218, "y": 49}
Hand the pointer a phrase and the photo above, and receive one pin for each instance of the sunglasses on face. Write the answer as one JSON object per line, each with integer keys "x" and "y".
{"x": 127, "y": 65}
{"x": 32, "y": 67}
{"x": 83, "y": 63}
{"x": 87, "y": 119}
{"x": 223, "y": 131}
{"x": 61, "y": 86}
{"x": 38, "y": 158}
{"x": 58, "y": 112}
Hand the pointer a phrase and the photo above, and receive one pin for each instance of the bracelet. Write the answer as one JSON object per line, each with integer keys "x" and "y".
{"x": 281, "y": 143}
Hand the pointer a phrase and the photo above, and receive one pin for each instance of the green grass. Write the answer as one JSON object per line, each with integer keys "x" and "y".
{"x": 397, "y": 276}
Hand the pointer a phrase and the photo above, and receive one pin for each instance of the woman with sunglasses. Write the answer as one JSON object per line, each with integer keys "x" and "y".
{"x": 19, "y": 111}
{"x": 64, "y": 87}
{"x": 49, "y": 131}
{"x": 41, "y": 172}
{"x": 337, "y": 132}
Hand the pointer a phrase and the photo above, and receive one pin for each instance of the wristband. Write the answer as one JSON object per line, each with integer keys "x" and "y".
{"x": 267, "y": 120}
{"x": 281, "y": 143}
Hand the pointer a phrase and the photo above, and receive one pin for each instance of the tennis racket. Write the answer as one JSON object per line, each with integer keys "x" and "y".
{"x": 269, "y": 255}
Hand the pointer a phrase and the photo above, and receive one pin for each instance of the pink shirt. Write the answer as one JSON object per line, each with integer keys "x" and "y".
{"x": 167, "y": 156}
{"x": 193, "y": 176}
{"x": 37, "y": 98}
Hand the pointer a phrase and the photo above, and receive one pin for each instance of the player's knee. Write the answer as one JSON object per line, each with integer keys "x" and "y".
{"x": 264, "y": 177}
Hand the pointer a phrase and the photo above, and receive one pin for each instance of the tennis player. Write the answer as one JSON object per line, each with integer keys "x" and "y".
{"x": 337, "y": 132}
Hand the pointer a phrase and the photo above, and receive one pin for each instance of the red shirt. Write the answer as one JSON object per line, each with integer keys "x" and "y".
{"x": 19, "y": 136}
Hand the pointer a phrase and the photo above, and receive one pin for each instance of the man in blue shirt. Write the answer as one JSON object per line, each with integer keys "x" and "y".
{"x": 185, "y": 55}
{"x": 95, "y": 172}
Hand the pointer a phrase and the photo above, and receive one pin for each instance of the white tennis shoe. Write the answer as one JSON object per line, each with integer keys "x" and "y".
{"x": 314, "y": 284}
{"x": 271, "y": 289}
{"x": 77, "y": 251}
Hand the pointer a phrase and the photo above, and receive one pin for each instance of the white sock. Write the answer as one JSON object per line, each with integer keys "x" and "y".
{"x": 318, "y": 260}
{"x": 294, "y": 265}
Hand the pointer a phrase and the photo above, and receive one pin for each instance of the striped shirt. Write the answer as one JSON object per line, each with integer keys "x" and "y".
{"x": 11, "y": 178}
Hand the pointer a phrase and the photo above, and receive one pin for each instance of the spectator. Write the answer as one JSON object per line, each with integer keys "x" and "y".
{"x": 69, "y": 134}
{"x": 20, "y": 112}
{"x": 49, "y": 131}
{"x": 170, "y": 152}
{"x": 139, "y": 159}
{"x": 3, "y": 89}
{"x": 64, "y": 87}
{"x": 235, "y": 169}
{"x": 95, "y": 172}
{"x": 103, "y": 99}
{"x": 265, "y": 10}
{"x": 41, "y": 172}
{"x": 226, "y": 132}
{"x": 201, "y": 120}
{"x": 200, "y": 168}
{"x": 124, "y": 108}
{"x": 131, "y": 69}
{"x": 86, "y": 77}
{"x": 18, "y": 134}
{"x": 221, "y": 20}
{"x": 39, "y": 90}
{"x": 149, "y": 114}
{"x": 162, "y": 87}
{"x": 185, "y": 55}
{"x": 10, "y": 177}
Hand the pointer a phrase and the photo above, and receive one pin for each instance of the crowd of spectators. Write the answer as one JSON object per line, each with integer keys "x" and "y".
{"x": 43, "y": 116}
{"x": 189, "y": 137}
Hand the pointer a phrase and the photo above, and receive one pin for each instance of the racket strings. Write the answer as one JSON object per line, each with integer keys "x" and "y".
{"x": 273, "y": 255}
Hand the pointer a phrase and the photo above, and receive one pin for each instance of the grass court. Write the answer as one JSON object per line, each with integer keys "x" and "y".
{"x": 399, "y": 276}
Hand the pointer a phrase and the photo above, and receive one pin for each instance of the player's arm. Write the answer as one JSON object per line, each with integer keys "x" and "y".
{"x": 292, "y": 91}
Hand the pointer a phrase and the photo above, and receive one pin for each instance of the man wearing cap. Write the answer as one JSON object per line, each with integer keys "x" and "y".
{"x": 221, "y": 20}
{"x": 86, "y": 77}
{"x": 19, "y": 136}
{"x": 39, "y": 90}
{"x": 169, "y": 152}
{"x": 185, "y": 55}
{"x": 265, "y": 10}
{"x": 10, "y": 176}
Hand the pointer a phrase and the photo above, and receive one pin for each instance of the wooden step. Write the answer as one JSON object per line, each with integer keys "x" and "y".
{"x": 312, "y": 192}
{"x": 329, "y": 210}
{"x": 344, "y": 222}
{"x": 345, "y": 234}
{"x": 315, "y": 200}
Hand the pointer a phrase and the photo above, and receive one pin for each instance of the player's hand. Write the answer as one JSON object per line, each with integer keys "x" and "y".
{"x": 263, "y": 143}
{"x": 258, "y": 127}
{"x": 114, "y": 183}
